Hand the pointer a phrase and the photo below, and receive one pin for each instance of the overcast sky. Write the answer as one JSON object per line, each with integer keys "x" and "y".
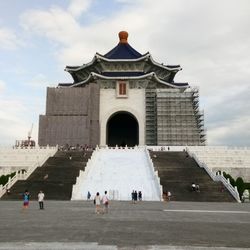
{"x": 210, "y": 39}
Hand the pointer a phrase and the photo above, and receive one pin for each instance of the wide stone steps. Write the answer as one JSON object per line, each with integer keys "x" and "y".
{"x": 177, "y": 171}
{"x": 56, "y": 177}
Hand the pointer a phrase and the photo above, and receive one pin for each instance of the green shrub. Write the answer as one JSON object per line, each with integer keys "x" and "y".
{"x": 240, "y": 185}
{"x": 247, "y": 185}
{"x": 4, "y": 178}
{"x": 231, "y": 179}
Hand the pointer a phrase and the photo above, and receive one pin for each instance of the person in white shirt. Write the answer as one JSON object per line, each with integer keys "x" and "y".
{"x": 41, "y": 196}
{"x": 97, "y": 202}
{"x": 105, "y": 202}
{"x": 169, "y": 195}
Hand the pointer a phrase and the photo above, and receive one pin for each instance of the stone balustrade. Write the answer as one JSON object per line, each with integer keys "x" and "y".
{"x": 22, "y": 161}
{"x": 232, "y": 160}
{"x": 215, "y": 176}
{"x": 86, "y": 178}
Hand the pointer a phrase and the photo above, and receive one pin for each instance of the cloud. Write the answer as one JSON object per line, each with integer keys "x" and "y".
{"x": 55, "y": 24}
{"x": 17, "y": 113}
{"x": 39, "y": 81}
{"x": 209, "y": 40}
{"x": 2, "y": 86}
{"x": 12, "y": 122}
{"x": 8, "y": 39}
{"x": 78, "y": 7}
{"x": 234, "y": 132}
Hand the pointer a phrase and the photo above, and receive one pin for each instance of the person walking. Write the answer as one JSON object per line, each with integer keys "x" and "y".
{"x": 135, "y": 196}
{"x": 105, "y": 202}
{"x": 140, "y": 195}
{"x": 88, "y": 195}
{"x": 41, "y": 196}
{"x": 26, "y": 199}
{"x": 169, "y": 195}
{"x": 97, "y": 202}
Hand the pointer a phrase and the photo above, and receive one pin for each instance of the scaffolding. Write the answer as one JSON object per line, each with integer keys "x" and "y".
{"x": 151, "y": 117}
{"x": 173, "y": 118}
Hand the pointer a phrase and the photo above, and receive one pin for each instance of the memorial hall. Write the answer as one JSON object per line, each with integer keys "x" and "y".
{"x": 122, "y": 98}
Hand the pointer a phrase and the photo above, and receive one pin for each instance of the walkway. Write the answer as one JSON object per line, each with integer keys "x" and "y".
{"x": 145, "y": 225}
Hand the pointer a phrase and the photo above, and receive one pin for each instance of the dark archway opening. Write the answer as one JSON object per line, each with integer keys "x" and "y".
{"x": 122, "y": 130}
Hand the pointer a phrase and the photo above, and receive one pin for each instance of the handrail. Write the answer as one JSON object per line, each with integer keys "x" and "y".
{"x": 233, "y": 190}
{"x": 94, "y": 157}
{"x": 154, "y": 173}
{"x": 20, "y": 175}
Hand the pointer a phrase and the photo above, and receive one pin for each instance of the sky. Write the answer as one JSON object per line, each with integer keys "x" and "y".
{"x": 210, "y": 39}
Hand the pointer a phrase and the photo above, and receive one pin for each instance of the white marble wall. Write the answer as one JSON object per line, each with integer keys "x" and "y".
{"x": 110, "y": 104}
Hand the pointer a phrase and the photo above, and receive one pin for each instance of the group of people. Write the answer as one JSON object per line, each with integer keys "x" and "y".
{"x": 136, "y": 196}
{"x": 26, "y": 199}
{"x": 76, "y": 147}
{"x": 195, "y": 187}
{"x": 98, "y": 200}
{"x": 167, "y": 196}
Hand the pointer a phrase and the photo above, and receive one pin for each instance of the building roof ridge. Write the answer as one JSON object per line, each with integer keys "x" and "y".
{"x": 151, "y": 74}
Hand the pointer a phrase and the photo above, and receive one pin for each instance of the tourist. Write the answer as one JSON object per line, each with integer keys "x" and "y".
{"x": 26, "y": 199}
{"x": 169, "y": 195}
{"x": 97, "y": 202}
{"x": 135, "y": 196}
{"x": 88, "y": 195}
{"x": 70, "y": 157}
{"x": 140, "y": 195}
{"x": 165, "y": 196}
{"x": 41, "y": 196}
{"x": 105, "y": 202}
{"x": 193, "y": 186}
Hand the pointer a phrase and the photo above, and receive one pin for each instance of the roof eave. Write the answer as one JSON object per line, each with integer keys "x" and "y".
{"x": 152, "y": 74}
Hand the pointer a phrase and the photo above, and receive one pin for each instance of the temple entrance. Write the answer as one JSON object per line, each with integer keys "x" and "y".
{"x": 122, "y": 130}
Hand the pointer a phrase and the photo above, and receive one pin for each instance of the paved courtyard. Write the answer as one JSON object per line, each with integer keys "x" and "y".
{"x": 145, "y": 225}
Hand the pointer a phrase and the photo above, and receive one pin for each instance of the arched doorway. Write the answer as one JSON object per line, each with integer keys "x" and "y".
{"x": 122, "y": 129}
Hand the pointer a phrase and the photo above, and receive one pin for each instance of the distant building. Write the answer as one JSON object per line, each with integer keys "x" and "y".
{"x": 122, "y": 98}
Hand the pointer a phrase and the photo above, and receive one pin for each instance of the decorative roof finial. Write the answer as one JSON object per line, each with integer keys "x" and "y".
{"x": 123, "y": 36}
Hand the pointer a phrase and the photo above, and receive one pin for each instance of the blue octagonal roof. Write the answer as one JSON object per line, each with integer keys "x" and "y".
{"x": 123, "y": 51}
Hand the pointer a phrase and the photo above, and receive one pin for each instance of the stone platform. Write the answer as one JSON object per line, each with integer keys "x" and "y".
{"x": 145, "y": 225}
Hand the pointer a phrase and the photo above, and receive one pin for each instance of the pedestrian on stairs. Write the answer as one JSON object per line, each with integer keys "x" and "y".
{"x": 88, "y": 195}
{"x": 97, "y": 202}
{"x": 105, "y": 201}
{"x": 193, "y": 186}
{"x": 169, "y": 195}
{"x": 135, "y": 196}
{"x": 140, "y": 195}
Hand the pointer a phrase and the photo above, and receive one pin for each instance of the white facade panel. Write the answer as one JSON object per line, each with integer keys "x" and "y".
{"x": 134, "y": 103}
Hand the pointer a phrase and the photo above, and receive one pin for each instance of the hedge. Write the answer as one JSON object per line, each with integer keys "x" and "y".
{"x": 239, "y": 183}
{"x": 4, "y": 178}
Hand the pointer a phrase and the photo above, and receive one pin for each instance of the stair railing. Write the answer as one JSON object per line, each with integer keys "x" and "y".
{"x": 233, "y": 190}
{"x": 23, "y": 175}
{"x": 154, "y": 173}
{"x": 83, "y": 173}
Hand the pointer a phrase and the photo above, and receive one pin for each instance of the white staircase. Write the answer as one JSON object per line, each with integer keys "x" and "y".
{"x": 119, "y": 172}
